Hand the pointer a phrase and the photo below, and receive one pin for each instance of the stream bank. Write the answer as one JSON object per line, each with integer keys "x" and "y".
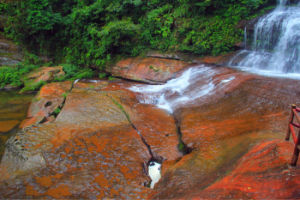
{"x": 90, "y": 149}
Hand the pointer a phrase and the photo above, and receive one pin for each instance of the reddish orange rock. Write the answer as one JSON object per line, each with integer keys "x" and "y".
{"x": 45, "y": 74}
{"x": 218, "y": 60}
{"x": 150, "y": 70}
{"x": 223, "y": 128}
{"x": 44, "y": 181}
{"x": 60, "y": 191}
{"x": 159, "y": 130}
{"x": 50, "y": 97}
{"x": 263, "y": 173}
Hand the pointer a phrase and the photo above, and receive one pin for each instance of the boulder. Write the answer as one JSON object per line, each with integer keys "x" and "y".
{"x": 50, "y": 98}
{"x": 40, "y": 76}
{"x": 149, "y": 70}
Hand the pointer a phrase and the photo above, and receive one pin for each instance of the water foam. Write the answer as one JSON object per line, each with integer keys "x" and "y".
{"x": 276, "y": 45}
{"x": 192, "y": 85}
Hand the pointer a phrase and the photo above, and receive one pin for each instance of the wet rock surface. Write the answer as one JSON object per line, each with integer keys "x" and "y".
{"x": 262, "y": 173}
{"x": 90, "y": 150}
{"x": 50, "y": 98}
{"x": 149, "y": 70}
{"x": 216, "y": 60}
{"x": 223, "y": 129}
{"x": 105, "y": 163}
{"x": 98, "y": 144}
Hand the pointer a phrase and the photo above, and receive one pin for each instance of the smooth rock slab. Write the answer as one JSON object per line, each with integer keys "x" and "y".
{"x": 106, "y": 163}
{"x": 155, "y": 125}
{"x": 222, "y": 128}
{"x": 263, "y": 173}
{"x": 90, "y": 150}
{"x": 149, "y": 70}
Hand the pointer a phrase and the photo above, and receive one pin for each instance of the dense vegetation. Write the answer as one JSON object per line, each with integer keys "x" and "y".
{"x": 89, "y": 33}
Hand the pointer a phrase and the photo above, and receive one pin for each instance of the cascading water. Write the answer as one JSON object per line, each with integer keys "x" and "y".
{"x": 276, "y": 45}
{"x": 193, "y": 85}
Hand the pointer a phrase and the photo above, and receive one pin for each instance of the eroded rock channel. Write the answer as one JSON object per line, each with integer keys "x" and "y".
{"x": 97, "y": 144}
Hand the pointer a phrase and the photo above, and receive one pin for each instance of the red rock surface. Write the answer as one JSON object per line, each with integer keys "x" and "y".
{"x": 150, "y": 70}
{"x": 262, "y": 173}
{"x": 156, "y": 126}
{"x": 91, "y": 149}
{"x": 45, "y": 74}
{"x": 218, "y": 60}
{"x": 106, "y": 163}
{"x": 50, "y": 97}
{"x": 223, "y": 128}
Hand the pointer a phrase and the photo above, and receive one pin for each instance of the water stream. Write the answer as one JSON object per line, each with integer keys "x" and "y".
{"x": 276, "y": 44}
{"x": 194, "y": 84}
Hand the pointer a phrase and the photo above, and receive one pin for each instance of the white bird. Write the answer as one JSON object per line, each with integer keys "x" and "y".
{"x": 154, "y": 171}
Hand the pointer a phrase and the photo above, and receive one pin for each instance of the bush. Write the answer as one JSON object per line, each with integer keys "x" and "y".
{"x": 93, "y": 32}
{"x": 12, "y": 75}
{"x": 73, "y": 72}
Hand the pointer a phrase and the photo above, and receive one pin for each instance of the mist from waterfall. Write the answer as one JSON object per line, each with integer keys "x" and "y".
{"x": 276, "y": 44}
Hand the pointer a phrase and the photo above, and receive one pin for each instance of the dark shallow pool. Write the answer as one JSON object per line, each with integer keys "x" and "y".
{"x": 13, "y": 109}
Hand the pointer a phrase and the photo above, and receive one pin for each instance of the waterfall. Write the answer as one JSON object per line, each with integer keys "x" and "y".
{"x": 276, "y": 44}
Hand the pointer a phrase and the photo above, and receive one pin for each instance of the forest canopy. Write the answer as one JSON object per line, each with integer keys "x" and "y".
{"x": 92, "y": 32}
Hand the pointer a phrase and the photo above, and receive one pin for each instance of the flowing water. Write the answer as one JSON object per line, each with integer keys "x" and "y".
{"x": 194, "y": 84}
{"x": 13, "y": 109}
{"x": 276, "y": 44}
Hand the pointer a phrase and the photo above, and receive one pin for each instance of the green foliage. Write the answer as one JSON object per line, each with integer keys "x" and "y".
{"x": 32, "y": 87}
{"x": 73, "y": 72}
{"x": 12, "y": 75}
{"x": 56, "y": 111}
{"x": 64, "y": 95}
{"x": 93, "y": 32}
{"x": 111, "y": 78}
{"x": 102, "y": 75}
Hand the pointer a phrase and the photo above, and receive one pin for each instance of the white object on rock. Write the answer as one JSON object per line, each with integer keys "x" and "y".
{"x": 154, "y": 171}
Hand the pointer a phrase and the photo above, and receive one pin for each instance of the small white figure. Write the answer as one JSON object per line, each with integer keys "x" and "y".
{"x": 154, "y": 171}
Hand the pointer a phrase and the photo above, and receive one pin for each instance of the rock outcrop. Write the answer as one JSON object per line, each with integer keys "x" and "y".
{"x": 98, "y": 145}
{"x": 148, "y": 70}
{"x": 49, "y": 99}
{"x": 90, "y": 141}
{"x": 40, "y": 76}
{"x": 224, "y": 128}
{"x": 262, "y": 173}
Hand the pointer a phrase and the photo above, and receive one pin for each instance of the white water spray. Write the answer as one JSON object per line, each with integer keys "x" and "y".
{"x": 193, "y": 84}
{"x": 276, "y": 45}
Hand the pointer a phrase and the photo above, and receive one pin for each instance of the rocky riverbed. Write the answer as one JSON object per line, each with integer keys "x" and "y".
{"x": 94, "y": 138}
